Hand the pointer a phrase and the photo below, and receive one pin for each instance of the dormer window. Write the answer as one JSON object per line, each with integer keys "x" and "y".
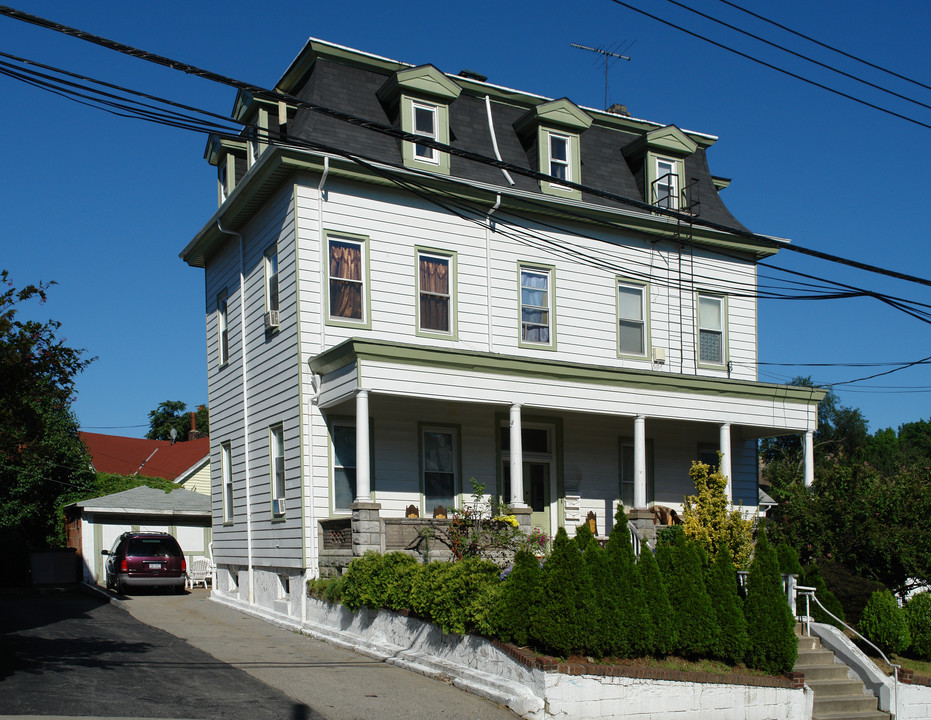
{"x": 550, "y": 133}
{"x": 661, "y": 154}
{"x": 666, "y": 184}
{"x": 418, "y": 99}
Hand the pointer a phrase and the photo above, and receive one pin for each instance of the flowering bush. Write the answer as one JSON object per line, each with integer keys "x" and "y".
{"x": 536, "y": 541}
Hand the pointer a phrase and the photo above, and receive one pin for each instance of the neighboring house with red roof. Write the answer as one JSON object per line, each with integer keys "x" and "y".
{"x": 95, "y": 524}
{"x": 186, "y": 463}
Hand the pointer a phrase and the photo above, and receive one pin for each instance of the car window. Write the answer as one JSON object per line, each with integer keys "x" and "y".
{"x": 152, "y": 547}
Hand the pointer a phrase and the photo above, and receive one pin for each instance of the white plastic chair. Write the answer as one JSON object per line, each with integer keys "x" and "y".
{"x": 200, "y": 570}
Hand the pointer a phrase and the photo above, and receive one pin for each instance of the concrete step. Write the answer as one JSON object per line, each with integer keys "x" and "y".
{"x": 845, "y": 704}
{"x": 818, "y": 656}
{"x": 868, "y": 715}
{"x": 817, "y": 673}
{"x": 809, "y": 642}
{"x": 835, "y": 687}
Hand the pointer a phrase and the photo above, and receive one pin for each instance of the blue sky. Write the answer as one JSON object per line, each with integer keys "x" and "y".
{"x": 103, "y": 205}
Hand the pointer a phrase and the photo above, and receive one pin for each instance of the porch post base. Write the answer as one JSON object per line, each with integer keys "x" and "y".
{"x": 366, "y": 528}
{"x": 523, "y": 517}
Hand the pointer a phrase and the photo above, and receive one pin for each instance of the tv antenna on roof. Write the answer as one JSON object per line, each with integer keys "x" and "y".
{"x": 610, "y": 57}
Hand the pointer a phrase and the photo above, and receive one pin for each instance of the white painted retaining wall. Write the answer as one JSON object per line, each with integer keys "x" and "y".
{"x": 474, "y": 664}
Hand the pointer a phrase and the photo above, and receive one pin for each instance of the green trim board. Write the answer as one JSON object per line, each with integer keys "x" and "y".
{"x": 355, "y": 349}
{"x": 725, "y": 331}
{"x": 645, "y": 304}
{"x": 279, "y": 165}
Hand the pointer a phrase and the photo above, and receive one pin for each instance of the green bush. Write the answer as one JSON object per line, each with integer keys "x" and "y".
{"x": 772, "y": 645}
{"x": 566, "y": 592}
{"x": 632, "y": 627}
{"x": 884, "y": 623}
{"x": 788, "y": 560}
{"x": 722, "y": 587}
{"x": 516, "y": 606}
{"x": 662, "y": 630}
{"x": 379, "y": 581}
{"x": 697, "y": 631}
{"x": 444, "y": 593}
{"x": 918, "y": 617}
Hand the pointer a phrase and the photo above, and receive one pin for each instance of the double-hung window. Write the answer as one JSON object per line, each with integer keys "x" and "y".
{"x": 434, "y": 287}
{"x": 223, "y": 331}
{"x": 666, "y": 184}
{"x": 271, "y": 279}
{"x": 440, "y": 467}
{"x": 343, "y": 437}
{"x": 536, "y": 305}
{"x": 631, "y": 319}
{"x": 424, "y": 123}
{"x": 560, "y": 156}
{"x": 711, "y": 310}
{"x": 346, "y": 275}
{"x": 226, "y": 479}
{"x": 276, "y": 462}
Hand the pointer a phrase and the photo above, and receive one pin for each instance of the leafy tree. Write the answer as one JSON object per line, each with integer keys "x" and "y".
{"x": 171, "y": 415}
{"x": 709, "y": 522}
{"x": 918, "y": 616}
{"x": 41, "y": 454}
{"x": 812, "y": 578}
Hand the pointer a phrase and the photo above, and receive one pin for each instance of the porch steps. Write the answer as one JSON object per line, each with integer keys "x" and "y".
{"x": 837, "y": 696}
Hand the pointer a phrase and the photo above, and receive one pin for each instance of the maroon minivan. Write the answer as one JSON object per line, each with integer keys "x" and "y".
{"x": 145, "y": 559}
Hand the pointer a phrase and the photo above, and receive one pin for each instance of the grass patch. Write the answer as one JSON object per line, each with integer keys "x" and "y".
{"x": 673, "y": 662}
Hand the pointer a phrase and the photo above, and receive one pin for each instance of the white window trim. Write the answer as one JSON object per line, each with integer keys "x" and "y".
{"x": 643, "y": 289}
{"x": 567, "y": 163}
{"x": 433, "y": 157}
{"x": 270, "y": 254}
{"x": 223, "y": 348}
{"x": 722, "y": 331}
{"x": 674, "y": 199}
{"x": 276, "y": 474}
{"x": 226, "y": 480}
{"x": 363, "y": 243}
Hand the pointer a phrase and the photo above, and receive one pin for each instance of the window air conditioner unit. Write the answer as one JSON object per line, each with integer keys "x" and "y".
{"x": 272, "y": 320}
{"x": 278, "y": 506}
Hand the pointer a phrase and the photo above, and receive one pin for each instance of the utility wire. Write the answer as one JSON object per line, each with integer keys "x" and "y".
{"x": 400, "y": 134}
{"x": 791, "y": 74}
{"x": 826, "y": 46}
{"x": 799, "y": 55}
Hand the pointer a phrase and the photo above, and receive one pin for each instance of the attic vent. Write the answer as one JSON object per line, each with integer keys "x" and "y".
{"x": 618, "y": 109}
{"x": 472, "y": 75}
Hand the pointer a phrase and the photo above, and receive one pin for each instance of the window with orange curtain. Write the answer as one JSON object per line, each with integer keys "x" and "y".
{"x": 434, "y": 293}
{"x": 347, "y": 289}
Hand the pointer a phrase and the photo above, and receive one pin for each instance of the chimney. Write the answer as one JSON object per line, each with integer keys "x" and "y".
{"x": 618, "y": 109}
{"x": 193, "y": 434}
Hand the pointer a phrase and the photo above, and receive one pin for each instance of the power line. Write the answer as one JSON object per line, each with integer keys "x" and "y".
{"x": 400, "y": 134}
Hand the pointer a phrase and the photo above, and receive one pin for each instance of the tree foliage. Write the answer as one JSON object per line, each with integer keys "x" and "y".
{"x": 172, "y": 415}
{"x": 772, "y": 644}
{"x": 41, "y": 454}
{"x": 711, "y": 521}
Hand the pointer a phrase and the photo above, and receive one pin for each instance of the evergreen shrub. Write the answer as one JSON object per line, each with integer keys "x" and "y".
{"x": 772, "y": 645}
{"x": 884, "y": 623}
{"x": 516, "y": 607}
{"x": 378, "y": 581}
{"x": 631, "y": 631}
{"x": 918, "y": 616}
{"x": 788, "y": 560}
{"x": 722, "y": 588}
{"x": 662, "y": 631}
{"x": 444, "y": 593}
{"x": 566, "y": 593}
{"x": 696, "y": 626}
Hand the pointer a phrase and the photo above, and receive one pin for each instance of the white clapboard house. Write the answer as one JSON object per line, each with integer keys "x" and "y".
{"x": 415, "y": 279}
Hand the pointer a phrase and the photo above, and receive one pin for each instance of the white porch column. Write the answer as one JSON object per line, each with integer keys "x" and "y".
{"x": 517, "y": 459}
{"x": 640, "y": 462}
{"x": 809, "y": 452}
{"x": 363, "y": 472}
{"x": 724, "y": 445}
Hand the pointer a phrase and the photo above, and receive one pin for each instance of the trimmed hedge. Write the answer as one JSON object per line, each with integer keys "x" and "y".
{"x": 918, "y": 617}
{"x": 884, "y": 623}
{"x": 722, "y": 588}
{"x": 697, "y": 630}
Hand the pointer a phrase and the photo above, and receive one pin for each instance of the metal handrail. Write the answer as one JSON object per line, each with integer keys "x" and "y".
{"x": 636, "y": 539}
{"x": 809, "y": 593}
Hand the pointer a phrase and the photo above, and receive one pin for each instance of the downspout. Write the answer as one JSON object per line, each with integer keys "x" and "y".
{"x": 494, "y": 139}
{"x": 488, "y": 230}
{"x": 245, "y": 404}
{"x": 312, "y": 568}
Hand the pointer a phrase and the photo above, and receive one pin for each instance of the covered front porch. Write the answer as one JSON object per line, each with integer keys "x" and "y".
{"x": 410, "y": 428}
